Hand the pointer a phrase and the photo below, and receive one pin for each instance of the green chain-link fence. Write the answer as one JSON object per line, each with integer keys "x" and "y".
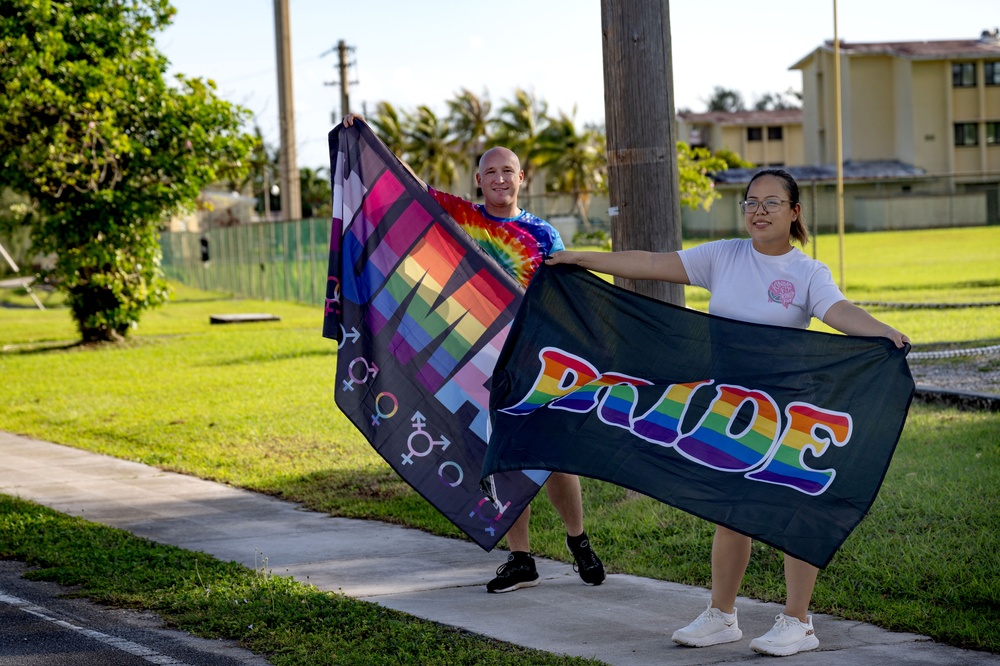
{"x": 281, "y": 261}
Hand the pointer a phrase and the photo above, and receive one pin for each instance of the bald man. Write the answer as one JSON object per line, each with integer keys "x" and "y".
{"x": 500, "y": 225}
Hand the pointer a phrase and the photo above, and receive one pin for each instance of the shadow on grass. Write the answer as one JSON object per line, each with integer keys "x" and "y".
{"x": 42, "y": 347}
{"x": 10, "y": 305}
{"x": 53, "y": 346}
{"x": 270, "y": 358}
{"x": 206, "y": 299}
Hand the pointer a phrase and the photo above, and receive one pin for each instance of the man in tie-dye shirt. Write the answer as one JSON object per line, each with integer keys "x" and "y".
{"x": 513, "y": 237}
{"x": 519, "y": 242}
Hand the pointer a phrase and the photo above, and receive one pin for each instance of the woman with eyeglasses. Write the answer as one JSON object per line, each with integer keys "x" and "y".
{"x": 762, "y": 279}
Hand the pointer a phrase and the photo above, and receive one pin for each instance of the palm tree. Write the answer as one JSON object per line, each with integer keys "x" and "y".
{"x": 517, "y": 126}
{"x": 430, "y": 150}
{"x": 575, "y": 161}
{"x": 391, "y": 127}
{"x": 468, "y": 116}
{"x": 315, "y": 187}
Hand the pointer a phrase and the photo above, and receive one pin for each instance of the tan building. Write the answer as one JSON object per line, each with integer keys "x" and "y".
{"x": 771, "y": 138}
{"x": 921, "y": 138}
{"x": 935, "y": 105}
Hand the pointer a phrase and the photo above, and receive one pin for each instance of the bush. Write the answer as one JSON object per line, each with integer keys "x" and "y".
{"x": 595, "y": 238}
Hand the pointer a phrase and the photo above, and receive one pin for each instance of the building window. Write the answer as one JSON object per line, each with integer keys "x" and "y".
{"x": 963, "y": 74}
{"x": 696, "y": 136}
{"x": 755, "y": 134}
{"x": 993, "y": 134}
{"x": 774, "y": 134}
{"x": 966, "y": 134}
{"x": 992, "y": 72}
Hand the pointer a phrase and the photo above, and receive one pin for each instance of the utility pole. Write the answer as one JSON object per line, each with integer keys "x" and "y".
{"x": 343, "y": 55}
{"x": 291, "y": 187}
{"x": 345, "y": 97}
{"x": 840, "y": 149}
{"x": 642, "y": 148}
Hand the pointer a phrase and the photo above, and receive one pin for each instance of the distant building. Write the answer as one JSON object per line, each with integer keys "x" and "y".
{"x": 216, "y": 208}
{"x": 772, "y": 138}
{"x": 921, "y": 138}
{"x": 935, "y": 105}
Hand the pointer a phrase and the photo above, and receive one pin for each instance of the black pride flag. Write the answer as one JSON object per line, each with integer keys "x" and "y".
{"x": 781, "y": 434}
{"x": 420, "y": 313}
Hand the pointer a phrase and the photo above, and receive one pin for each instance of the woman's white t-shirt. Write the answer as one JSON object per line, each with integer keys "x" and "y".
{"x": 787, "y": 290}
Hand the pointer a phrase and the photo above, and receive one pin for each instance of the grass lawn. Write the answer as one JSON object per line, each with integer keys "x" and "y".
{"x": 252, "y": 405}
{"x": 293, "y": 624}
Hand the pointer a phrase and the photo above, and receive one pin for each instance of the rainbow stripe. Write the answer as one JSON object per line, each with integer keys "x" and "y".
{"x": 661, "y": 424}
{"x": 618, "y": 403}
{"x": 414, "y": 300}
{"x": 561, "y": 374}
{"x": 471, "y": 384}
{"x": 365, "y": 269}
{"x": 787, "y": 466}
{"x": 712, "y": 441}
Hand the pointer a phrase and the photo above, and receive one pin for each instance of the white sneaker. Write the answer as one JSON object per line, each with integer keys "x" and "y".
{"x": 788, "y": 636}
{"x": 710, "y": 628}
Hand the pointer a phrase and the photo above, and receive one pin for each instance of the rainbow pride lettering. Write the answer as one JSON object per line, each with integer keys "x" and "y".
{"x": 762, "y": 451}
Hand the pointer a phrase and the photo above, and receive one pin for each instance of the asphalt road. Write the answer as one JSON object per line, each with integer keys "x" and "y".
{"x": 40, "y": 627}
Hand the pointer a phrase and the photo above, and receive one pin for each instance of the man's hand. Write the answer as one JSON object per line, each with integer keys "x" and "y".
{"x": 351, "y": 117}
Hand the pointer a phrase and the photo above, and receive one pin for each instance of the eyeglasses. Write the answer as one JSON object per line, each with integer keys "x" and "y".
{"x": 770, "y": 205}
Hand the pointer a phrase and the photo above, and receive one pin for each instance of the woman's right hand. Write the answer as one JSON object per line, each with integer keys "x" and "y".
{"x": 561, "y": 257}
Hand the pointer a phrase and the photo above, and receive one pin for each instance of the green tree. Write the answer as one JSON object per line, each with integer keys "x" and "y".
{"x": 694, "y": 169}
{"x": 777, "y": 101}
{"x": 723, "y": 99}
{"x": 575, "y": 162}
{"x": 517, "y": 126}
{"x": 92, "y": 132}
{"x": 733, "y": 159}
{"x": 468, "y": 118}
{"x": 391, "y": 127}
{"x": 315, "y": 186}
{"x": 430, "y": 150}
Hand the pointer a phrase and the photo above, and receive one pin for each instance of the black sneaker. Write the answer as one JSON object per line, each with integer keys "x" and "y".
{"x": 588, "y": 564}
{"x": 515, "y": 573}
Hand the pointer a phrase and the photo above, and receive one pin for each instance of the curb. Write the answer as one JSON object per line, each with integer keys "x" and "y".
{"x": 962, "y": 399}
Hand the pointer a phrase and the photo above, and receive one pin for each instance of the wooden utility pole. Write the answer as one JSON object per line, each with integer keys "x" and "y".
{"x": 642, "y": 148}
{"x": 343, "y": 52}
{"x": 345, "y": 97}
{"x": 291, "y": 187}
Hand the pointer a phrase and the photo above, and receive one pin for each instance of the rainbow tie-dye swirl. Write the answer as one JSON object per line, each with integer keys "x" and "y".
{"x": 518, "y": 244}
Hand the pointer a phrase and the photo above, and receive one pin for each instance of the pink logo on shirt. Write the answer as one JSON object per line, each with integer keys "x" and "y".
{"x": 781, "y": 291}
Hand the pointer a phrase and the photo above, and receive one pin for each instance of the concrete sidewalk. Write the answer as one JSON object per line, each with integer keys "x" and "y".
{"x": 627, "y": 621}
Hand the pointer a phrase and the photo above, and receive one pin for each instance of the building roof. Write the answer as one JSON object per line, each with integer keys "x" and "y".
{"x": 987, "y": 46}
{"x": 772, "y": 117}
{"x": 853, "y": 171}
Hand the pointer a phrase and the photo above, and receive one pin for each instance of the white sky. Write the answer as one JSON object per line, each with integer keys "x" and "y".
{"x": 411, "y": 53}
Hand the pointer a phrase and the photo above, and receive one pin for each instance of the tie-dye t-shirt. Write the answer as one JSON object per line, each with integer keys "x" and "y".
{"x": 519, "y": 244}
